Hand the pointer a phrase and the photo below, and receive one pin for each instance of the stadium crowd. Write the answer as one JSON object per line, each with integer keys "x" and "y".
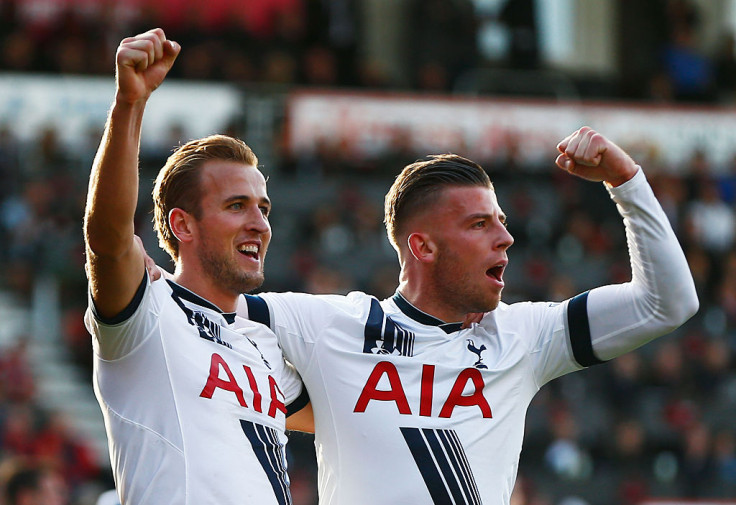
{"x": 657, "y": 422}
{"x": 318, "y": 43}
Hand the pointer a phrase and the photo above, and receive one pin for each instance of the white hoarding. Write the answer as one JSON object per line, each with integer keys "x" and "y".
{"x": 76, "y": 105}
{"x": 481, "y": 128}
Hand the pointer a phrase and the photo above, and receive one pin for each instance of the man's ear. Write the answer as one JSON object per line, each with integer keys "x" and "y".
{"x": 180, "y": 222}
{"x": 421, "y": 247}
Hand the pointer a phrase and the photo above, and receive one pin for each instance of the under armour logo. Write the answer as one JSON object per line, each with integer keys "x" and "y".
{"x": 384, "y": 336}
{"x": 208, "y": 330}
{"x": 380, "y": 348}
{"x": 477, "y": 350}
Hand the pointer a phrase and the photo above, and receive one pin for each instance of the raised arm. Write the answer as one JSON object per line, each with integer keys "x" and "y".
{"x": 661, "y": 295}
{"x": 115, "y": 265}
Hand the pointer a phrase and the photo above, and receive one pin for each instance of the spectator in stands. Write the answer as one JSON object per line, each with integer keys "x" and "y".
{"x": 725, "y": 68}
{"x": 724, "y": 448}
{"x": 442, "y": 42}
{"x": 16, "y": 377}
{"x": 18, "y": 430}
{"x": 689, "y": 70}
{"x": 698, "y": 465}
{"x": 57, "y": 446}
{"x": 520, "y": 18}
{"x": 711, "y": 222}
{"x": 30, "y": 485}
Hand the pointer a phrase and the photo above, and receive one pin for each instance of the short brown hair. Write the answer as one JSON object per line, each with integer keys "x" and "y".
{"x": 418, "y": 184}
{"x": 178, "y": 183}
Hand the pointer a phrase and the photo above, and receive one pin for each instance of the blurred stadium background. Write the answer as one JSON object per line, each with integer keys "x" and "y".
{"x": 335, "y": 96}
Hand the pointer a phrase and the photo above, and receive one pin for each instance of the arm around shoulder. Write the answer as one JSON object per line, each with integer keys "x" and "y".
{"x": 302, "y": 420}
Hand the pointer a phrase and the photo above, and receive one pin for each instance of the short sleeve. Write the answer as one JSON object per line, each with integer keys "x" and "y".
{"x": 117, "y": 337}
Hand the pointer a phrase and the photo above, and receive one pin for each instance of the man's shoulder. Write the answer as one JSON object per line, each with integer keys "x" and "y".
{"x": 145, "y": 292}
{"x": 525, "y": 306}
{"x": 525, "y": 312}
{"x": 324, "y": 301}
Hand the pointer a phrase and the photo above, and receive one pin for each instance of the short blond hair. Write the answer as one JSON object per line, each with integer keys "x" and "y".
{"x": 178, "y": 182}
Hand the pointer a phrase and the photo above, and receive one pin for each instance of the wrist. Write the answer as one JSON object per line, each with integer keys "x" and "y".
{"x": 122, "y": 108}
{"x": 124, "y": 101}
{"x": 623, "y": 177}
{"x": 127, "y": 116}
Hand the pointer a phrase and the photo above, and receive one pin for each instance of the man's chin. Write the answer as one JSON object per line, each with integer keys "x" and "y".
{"x": 490, "y": 305}
{"x": 255, "y": 284}
{"x": 247, "y": 283}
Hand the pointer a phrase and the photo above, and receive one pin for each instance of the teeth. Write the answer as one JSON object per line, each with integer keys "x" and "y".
{"x": 248, "y": 248}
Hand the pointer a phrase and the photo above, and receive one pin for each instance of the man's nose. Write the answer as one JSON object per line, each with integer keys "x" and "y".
{"x": 506, "y": 240}
{"x": 259, "y": 222}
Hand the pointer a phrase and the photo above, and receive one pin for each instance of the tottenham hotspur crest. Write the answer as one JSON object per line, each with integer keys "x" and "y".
{"x": 477, "y": 350}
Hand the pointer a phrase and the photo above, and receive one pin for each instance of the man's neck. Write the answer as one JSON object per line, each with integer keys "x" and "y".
{"x": 199, "y": 285}
{"x": 419, "y": 298}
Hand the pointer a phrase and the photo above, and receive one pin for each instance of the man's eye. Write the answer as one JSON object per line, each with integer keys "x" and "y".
{"x": 479, "y": 224}
{"x": 236, "y": 206}
{"x": 265, "y": 211}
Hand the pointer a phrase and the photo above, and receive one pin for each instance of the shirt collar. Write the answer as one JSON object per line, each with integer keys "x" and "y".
{"x": 192, "y": 297}
{"x": 422, "y": 317}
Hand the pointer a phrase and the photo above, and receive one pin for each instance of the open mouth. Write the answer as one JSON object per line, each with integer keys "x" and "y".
{"x": 496, "y": 272}
{"x": 250, "y": 250}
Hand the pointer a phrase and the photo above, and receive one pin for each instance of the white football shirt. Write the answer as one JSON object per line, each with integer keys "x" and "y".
{"x": 194, "y": 401}
{"x": 411, "y": 410}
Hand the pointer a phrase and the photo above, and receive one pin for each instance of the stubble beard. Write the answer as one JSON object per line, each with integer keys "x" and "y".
{"x": 460, "y": 289}
{"x": 226, "y": 274}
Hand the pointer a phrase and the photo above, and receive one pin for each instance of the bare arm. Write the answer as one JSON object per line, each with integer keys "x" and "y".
{"x": 115, "y": 265}
{"x": 302, "y": 420}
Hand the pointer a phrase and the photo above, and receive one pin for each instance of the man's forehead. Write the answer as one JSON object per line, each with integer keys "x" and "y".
{"x": 468, "y": 197}
{"x": 224, "y": 179}
{"x": 229, "y": 173}
{"x": 216, "y": 168}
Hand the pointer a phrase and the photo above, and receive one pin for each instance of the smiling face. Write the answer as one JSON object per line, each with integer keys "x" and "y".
{"x": 468, "y": 230}
{"x": 232, "y": 231}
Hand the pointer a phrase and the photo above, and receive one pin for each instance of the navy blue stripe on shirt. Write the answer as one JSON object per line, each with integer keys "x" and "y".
{"x": 270, "y": 453}
{"x": 427, "y": 467}
{"x": 459, "y": 460}
{"x": 184, "y": 293}
{"x": 179, "y": 292}
{"x": 443, "y": 464}
{"x": 129, "y": 310}
{"x": 447, "y": 465}
{"x": 299, "y": 403}
{"x": 258, "y": 310}
{"x": 422, "y": 317}
{"x": 579, "y": 327}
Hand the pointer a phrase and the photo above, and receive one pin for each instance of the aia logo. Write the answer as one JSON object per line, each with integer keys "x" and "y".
{"x": 467, "y": 391}
{"x": 215, "y": 381}
{"x": 477, "y": 350}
